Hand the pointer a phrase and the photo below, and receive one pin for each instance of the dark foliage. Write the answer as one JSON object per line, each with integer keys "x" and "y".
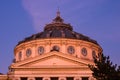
{"x": 104, "y": 68}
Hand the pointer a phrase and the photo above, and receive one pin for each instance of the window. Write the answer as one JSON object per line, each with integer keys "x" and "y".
{"x": 71, "y": 49}
{"x": 40, "y": 50}
{"x": 84, "y": 78}
{"x": 55, "y": 48}
{"x": 23, "y": 78}
{"x": 54, "y": 78}
{"x": 38, "y": 78}
{"x": 84, "y": 51}
{"x": 28, "y": 52}
{"x": 69, "y": 78}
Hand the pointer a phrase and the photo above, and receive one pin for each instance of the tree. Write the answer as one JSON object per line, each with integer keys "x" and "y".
{"x": 103, "y": 69}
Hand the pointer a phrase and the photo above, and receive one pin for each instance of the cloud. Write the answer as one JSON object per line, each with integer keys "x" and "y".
{"x": 39, "y": 11}
{"x": 42, "y": 11}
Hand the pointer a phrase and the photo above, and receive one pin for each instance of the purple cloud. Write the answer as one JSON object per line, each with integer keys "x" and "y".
{"x": 43, "y": 11}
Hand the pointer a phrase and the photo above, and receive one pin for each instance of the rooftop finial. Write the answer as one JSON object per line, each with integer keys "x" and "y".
{"x": 58, "y": 18}
{"x": 58, "y": 12}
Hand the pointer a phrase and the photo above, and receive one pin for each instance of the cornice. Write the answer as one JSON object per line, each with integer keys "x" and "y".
{"x": 49, "y": 41}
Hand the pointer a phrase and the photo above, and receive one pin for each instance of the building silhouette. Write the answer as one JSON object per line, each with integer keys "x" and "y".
{"x": 56, "y": 53}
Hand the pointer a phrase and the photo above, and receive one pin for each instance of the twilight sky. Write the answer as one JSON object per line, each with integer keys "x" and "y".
{"x": 98, "y": 19}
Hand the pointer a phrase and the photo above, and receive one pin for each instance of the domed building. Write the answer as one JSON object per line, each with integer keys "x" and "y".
{"x": 56, "y": 53}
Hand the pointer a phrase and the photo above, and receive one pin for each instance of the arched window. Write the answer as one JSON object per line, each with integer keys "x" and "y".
{"x": 28, "y": 52}
{"x": 55, "y": 48}
{"x": 71, "y": 50}
{"x": 84, "y": 51}
{"x": 40, "y": 50}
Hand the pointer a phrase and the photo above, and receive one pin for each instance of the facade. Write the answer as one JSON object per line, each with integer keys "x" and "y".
{"x": 3, "y": 77}
{"x": 57, "y": 53}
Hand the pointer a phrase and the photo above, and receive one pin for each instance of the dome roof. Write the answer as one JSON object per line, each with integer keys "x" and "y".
{"x": 58, "y": 29}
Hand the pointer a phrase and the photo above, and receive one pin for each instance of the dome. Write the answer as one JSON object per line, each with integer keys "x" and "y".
{"x": 58, "y": 29}
{"x": 58, "y": 49}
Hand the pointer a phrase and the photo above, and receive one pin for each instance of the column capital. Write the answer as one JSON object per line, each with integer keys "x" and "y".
{"x": 46, "y": 78}
{"x": 31, "y": 78}
{"x": 77, "y": 78}
{"x": 62, "y": 78}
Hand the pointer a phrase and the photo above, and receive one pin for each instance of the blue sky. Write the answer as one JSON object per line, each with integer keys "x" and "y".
{"x": 98, "y": 19}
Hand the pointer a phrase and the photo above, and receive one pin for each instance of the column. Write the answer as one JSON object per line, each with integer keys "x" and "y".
{"x": 91, "y": 78}
{"x": 31, "y": 78}
{"x": 80, "y": 78}
{"x": 77, "y": 78}
{"x": 61, "y": 78}
{"x": 46, "y": 78}
{"x": 16, "y": 78}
